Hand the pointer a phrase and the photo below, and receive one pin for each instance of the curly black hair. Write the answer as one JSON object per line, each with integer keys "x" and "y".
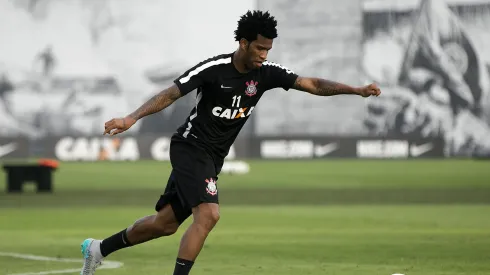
{"x": 257, "y": 22}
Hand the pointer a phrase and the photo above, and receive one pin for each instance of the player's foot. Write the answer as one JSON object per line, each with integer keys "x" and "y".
{"x": 91, "y": 255}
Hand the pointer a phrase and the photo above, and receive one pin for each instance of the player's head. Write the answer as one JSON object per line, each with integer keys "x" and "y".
{"x": 255, "y": 32}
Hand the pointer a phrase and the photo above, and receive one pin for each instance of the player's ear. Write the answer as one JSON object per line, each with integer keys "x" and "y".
{"x": 244, "y": 44}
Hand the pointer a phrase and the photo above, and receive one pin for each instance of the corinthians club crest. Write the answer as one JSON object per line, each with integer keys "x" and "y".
{"x": 211, "y": 188}
{"x": 251, "y": 88}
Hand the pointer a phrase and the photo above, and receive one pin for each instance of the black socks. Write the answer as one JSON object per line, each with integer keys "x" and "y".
{"x": 120, "y": 241}
{"x": 114, "y": 243}
{"x": 182, "y": 267}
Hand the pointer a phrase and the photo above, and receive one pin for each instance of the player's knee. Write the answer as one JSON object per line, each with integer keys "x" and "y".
{"x": 165, "y": 223}
{"x": 165, "y": 229}
{"x": 170, "y": 229}
{"x": 213, "y": 216}
{"x": 208, "y": 216}
{"x": 208, "y": 222}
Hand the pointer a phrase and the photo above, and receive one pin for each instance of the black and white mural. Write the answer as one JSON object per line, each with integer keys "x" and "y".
{"x": 432, "y": 59}
{"x": 67, "y": 66}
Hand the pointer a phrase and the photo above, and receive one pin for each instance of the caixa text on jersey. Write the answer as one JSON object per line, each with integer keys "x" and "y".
{"x": 232, "y": 113}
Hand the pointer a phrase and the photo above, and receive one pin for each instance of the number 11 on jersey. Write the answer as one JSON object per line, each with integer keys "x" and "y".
{"x": 237, "y": 100}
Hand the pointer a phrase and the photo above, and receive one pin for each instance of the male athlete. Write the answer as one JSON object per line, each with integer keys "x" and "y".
{"x": 229, "y": 87}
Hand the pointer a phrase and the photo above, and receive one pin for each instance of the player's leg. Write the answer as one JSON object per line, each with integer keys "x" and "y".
{"x": 170, "y": 214}
{"x": 147, "y": 228}
{"x": 164, "y": 223}
{"x": 205, "y": 215}
{"x": 196, "y": 184}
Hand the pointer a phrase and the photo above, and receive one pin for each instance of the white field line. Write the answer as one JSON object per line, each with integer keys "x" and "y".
{"x": 105, "y": 264}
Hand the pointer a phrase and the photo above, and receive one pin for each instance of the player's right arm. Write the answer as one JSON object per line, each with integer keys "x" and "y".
{"x": 184, "y": 84}
{"x": 155, "y": 104}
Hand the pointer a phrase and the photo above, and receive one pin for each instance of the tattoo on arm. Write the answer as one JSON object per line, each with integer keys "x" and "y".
{"x": 329, "y": 88}
{"x": 322, "y": 87}
{"x": 157, "y": 103}
{"x": 299, "y": 84}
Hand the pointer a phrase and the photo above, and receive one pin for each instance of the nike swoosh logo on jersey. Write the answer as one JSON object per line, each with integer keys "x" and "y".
{"x": 225, "y": 87}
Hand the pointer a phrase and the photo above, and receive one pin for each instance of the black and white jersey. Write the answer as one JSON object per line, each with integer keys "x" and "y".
{"x": 225, "y": 99}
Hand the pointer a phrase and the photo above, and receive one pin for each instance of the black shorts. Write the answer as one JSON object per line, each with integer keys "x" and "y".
{"x": 192, "y": 181}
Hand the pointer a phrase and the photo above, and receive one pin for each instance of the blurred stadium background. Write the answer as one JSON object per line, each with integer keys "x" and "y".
{"x": 340, "y": 185}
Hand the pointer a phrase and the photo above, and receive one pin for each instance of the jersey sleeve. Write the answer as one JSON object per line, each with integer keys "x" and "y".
{"x": 192, "y": 78}
{"x": 278, "y": 76}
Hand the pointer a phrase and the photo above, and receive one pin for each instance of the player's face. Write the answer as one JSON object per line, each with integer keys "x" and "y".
{"x": 257, "y": 51}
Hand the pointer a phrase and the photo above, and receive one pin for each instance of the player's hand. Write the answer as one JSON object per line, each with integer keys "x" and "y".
{"x": 118, "y": 125}
{"x": 369, "y": 90}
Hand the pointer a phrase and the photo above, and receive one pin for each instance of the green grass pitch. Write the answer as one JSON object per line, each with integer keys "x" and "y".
{"x": 428, "y": 217}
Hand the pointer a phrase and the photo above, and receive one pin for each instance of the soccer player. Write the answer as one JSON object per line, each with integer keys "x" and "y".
{"x": 229, "y": 87}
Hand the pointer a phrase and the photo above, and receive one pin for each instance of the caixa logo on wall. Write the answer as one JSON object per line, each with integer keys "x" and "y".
{"x": 159, "y": 149}
{"x": 96, "y": 148}
{"x": 114, "y": 148}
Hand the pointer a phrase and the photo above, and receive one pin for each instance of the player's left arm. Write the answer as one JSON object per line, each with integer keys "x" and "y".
{"x": 324, "y": 87}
